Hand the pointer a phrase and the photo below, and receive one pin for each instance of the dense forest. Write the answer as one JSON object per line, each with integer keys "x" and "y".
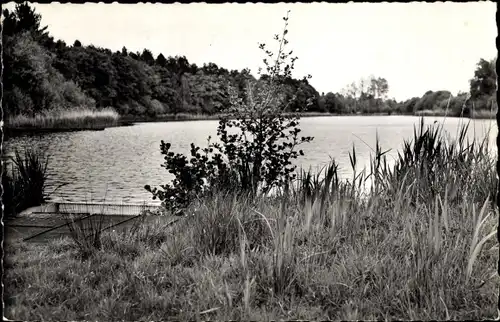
{"x": 41, "y": 74}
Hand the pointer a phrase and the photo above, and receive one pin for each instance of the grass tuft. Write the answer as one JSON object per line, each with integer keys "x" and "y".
{"x": 23, "y": 183}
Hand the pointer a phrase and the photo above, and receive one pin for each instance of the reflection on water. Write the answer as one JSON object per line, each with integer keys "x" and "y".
{"x": 114, "y": 165}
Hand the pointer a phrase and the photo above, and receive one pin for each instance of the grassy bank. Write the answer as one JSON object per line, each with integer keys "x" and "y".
{"x": 419, "y": 245}
{"x": 88, "y": 119}
{"x": 206, "y": 117}
{"x": 75, "y": 119}
{"x": 477, "y": 114}
{"x": 482, "y": 114}
{"x": 197, "y": 117}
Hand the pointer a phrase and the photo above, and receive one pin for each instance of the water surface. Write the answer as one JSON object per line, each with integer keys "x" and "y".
{"x": 114, "y": 165}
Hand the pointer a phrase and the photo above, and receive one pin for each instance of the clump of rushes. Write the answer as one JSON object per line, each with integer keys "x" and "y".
{"x": 23, "y": 183}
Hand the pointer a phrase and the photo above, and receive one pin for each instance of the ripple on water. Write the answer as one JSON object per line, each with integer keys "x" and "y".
{"x": 114, "y": 165}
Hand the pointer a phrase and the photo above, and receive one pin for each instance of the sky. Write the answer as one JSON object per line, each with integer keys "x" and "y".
{"x": 416, "y": 46}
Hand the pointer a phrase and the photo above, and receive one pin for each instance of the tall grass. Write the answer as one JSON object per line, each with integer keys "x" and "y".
{"x": 81, "y": 118}
{"x": 417, "y": 244}
{"x": 86, "y": 230}
{"x": 24, "y": 183}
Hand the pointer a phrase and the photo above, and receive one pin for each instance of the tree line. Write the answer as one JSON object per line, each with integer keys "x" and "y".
{"x": 41, "y": 73}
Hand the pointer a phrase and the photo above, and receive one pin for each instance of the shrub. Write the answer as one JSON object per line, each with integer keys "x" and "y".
{"x": 155, "y": 108}
{"x": 72, "y": 95}
{"x": 257, "y": 155}
{"x": 123, "y": 108}
{"x": 431, "y": 100}
{"x": 136, "y": 108}
{"x": 19, "y": 102}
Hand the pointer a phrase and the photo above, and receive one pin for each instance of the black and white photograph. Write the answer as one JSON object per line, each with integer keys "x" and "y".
{"x": 250, "y": 161}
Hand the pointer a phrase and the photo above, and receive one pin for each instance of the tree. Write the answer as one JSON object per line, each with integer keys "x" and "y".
{"x": 132, "y": 82}
{"x": 483, "y": 86}
{"x": 367, "y": 88}
{"x": 350, "y": 90}
{"x": 24, "y": 19}
{"x": 210, "y": 69}
{"x": 363, "y": 87}
{"x": 147, "y": 57}
{"x": 60, "y": 46}
{"x": 31, "y": 82}
{"x": 161, "y": 60}
{"x": 134, "y": 55}
{"x": 408, "y": 106}
{"x": 432, "y": 100}
{"x": 485, "y": 79}
{"x": 332, "y": 103}
{"x": 179, "y": 66}
{"x": 9, "y": 23}
{"x": 28, "y": 19}
{"x": 379, "y": 87}
{"x": 257, "y": 157}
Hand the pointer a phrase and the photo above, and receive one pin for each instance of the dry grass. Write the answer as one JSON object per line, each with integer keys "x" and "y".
{"x": 418, "y": 246}
{"x": 81, "y": 118}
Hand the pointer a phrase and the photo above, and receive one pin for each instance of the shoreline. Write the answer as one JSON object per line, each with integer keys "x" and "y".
{"x": 10, "y": 132}
{"x": 131, "y": 120}
{"x": 205, "y": 117}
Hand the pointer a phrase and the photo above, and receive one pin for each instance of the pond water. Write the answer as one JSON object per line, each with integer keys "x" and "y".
{"x": 114, "y": 165}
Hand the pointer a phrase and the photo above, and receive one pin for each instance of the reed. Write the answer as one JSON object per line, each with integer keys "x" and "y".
{"x": 87, "y": 228}
{"x": 80, "y": 118}
{"x": 23, "y": 180}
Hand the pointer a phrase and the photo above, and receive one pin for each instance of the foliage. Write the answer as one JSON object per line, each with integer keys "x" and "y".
{"x": 190, "y": 176}
{"x": 37, "y": 68}
{"x": 485, "y": 79}
{"x": 332, "y": 103}
{"x": 432, "y": 100}
{"x": 370, "y": 87}
{"x": 23, "y": 19}
{"x": 483, "y": 87}
{"x": 36, "y": 85}
{"x": 258, "y": 154}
